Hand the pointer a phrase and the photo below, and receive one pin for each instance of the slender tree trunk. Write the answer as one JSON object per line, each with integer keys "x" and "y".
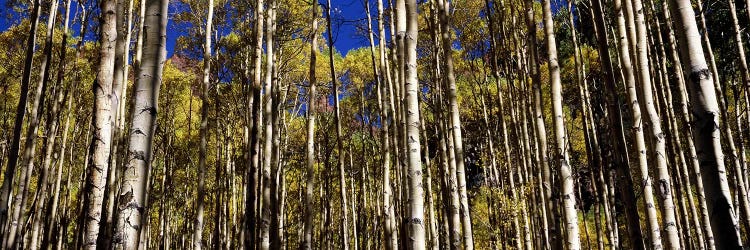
{"x": 455, "y": 123}
{"x": 664, "y": 185}
{"x": 632, "y": 92}
{"x": 251, "y": 201}
{"x": 339, "y": 141}
{"x": 268, "y": 125}
{"x": 570, "y": 214}
{"x": 620, "y": 150}
{"x": 206, "y": 86}
{"x": 307, "y": 243}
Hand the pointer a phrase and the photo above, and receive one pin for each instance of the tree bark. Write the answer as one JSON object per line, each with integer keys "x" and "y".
{"x": 707, "y": 136}
{"x": 102, "y": 122}
{"x": 206, "y": 86}
{"x": 570, "y": 214}
{"x": 132, "y": 207}
{"x": 307, "y": 243}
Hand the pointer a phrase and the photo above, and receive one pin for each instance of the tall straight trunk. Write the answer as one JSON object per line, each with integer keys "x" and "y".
{"x": 551, "y": 235}
{"x": 268, "y": 89}
{"x": 707, "y": 136}
{"x": 275, "y": 101}
{"x": 206, "y": 86}
{"x": 10, "y": 171}
{"x": 416, "y": 227}
{"x": 339, "y": 141}
{"x": 570, "y": 215}
{"x": 626, "y": 65}
{"x": 132, "y": 208}
{"x": 385, "y": 109}
{"x": 620, "y": 146}
{"x": 362, "y": 226}
{"x": 664, "y": 185}
{"x": 118, "y": 83}
{"x": 455, "y": 122}
{"x": 251, "y": 201}
{"x": 101, "y": 143}
{"x": 307, "y": 243}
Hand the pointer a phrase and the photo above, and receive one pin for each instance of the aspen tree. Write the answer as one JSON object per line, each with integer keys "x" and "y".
{"x": 197, "y": 241}
{"x": 626, "y": 65}
{"x": 707, "y": 134}
{"x": 307, "y": 243}
{"x": 132, "y": 195}
{"x": 102, "y": 130}
{"x": 444, "y": 7}
{"x": 570, "y": 215}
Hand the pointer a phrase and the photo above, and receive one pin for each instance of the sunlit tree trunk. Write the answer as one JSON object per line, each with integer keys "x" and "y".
{"x": 416, "y": 226}
{"x": 132, "y": 207}
{"x": 455, "y": 122}
{"x": 307, "y": 243}
{"x": 205, "y": 89}
{"x": 630, "y": 82}
{"x": 561, "y": 140}
{"x": 664, "y": 185}
{"x": 268, "y": 99}
{"x": 102, "y": 130}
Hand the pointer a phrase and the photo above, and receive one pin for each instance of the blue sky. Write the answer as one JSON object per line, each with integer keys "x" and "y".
{"x": 348, "y": 14}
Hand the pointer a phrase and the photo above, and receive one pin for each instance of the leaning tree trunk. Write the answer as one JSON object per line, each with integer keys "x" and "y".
{"x": 707, "y": 134}
{"x": 10, "y": 171}
{"x": 132, "y": 211}
{"x": 570, "y": 215}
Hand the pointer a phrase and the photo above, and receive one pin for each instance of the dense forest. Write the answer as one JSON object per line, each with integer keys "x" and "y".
{"x": 464, "y": 124}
